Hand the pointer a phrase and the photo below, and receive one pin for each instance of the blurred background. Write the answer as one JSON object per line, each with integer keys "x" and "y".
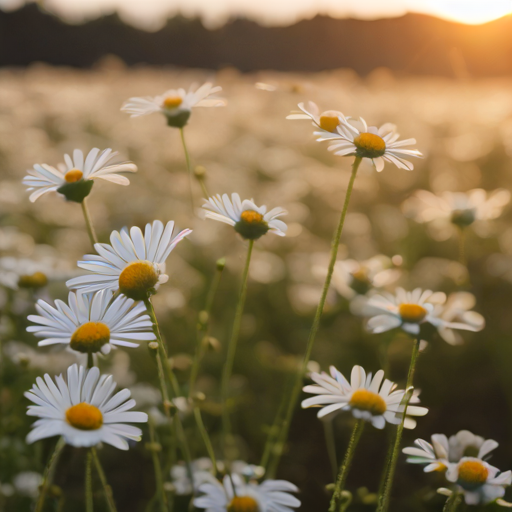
{"x": 441, "y": 70}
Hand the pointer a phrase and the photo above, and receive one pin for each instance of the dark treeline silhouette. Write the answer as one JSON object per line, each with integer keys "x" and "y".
{"x": 411, "y": 44}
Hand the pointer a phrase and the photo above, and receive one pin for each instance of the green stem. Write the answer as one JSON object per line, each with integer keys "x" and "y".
{"x": 383, "y": 501}
{"x": 89, "y": 506}
{"x": 345, "y": 465}
{"x": 462, "y": 246}
{"x": 203, "y": 187}
{"x": 230, "y": 357}
{"x": 156, "y": 466}
{"x": 107, "y": 490}
{"x": 453, "y": 502}
{"x": 189, "y": 166}
{"x": 90, "y": 360}
{"x": 331, "y": 445}
{"x": 48, "y": 474}
{"x": 206, "y": 438}
{"x": 88, "y": 223}
{"x": 283, "y": 431}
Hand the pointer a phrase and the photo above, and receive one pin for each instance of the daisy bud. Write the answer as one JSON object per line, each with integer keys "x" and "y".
{"x": 76, "y": 191}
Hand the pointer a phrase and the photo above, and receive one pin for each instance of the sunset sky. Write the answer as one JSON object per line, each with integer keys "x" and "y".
{"x": 151, "y": 14}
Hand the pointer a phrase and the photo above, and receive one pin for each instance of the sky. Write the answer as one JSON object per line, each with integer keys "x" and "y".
{"x": 151, "y": 14}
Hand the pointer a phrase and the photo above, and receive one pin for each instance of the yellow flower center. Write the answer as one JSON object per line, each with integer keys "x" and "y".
{"x": 173, "y": 102}
{"x": 412, "y": 313}
{"x": 368, "y": 401}
{"x": 73, "y": 175}
{"x": 472, "y": 474}
{"x": 35, "y": 280}
{"x": 251, "y": 217}
{"x": 370, "y": 145}
{"x": 84, "y": 416}
{"x": 243, "y": 504}
{"x": 137, "y": 279}
{"x": 90, "y": 337}
{"x": 329, "y": 120}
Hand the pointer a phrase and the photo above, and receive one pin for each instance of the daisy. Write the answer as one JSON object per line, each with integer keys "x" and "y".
{"x": 368, "y": 398}
{"x": 327, "y": 121}
{"x": 92, "y": 323}
{"x": 369, "y": 142}
{"x": 83, "y": 410}
{"x": 249, "y": 220}
{"x": 235, "y": 495}
{"x": 478, "y": 481}
{"x": 74, "y": 179}
{"x": 456, "y": 209}
{"x": 175, "y": 104}
{"x": 134, "y": 263}
{"x": 409, "y": 310}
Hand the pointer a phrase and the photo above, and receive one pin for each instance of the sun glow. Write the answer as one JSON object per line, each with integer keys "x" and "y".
{"x": 471, "y": 12}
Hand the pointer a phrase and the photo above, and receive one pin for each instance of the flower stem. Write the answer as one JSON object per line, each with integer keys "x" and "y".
{"x": 331, "y": 445}
{"x": 230, "y": 357}
{"x": 283, "y": 431}
{"x": 383, "y": 501}
{"x": 106, "y": 488}
{"x": 48, "y": 474}
{"x": 189, "y": 166}
{"x": 90, "y": 360}
{"x": 345, "y": 465}
{"x": 88, "y": 223}
{"x": 206, "y": 438}
{"x": 89, "y": 506}
{"x": 156, "y": 466}
{"x": 453, "y": 502}
{"x": 462, "y": 246}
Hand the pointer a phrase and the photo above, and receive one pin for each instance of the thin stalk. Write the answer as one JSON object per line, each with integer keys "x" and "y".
{"x": 189, "y": 166}
{"x": 462, "y": 246}
{"x": 48, "y": 474}
{"x": 90, "y": 360}
{"x": 230, "y": 357}
{"x": 283, "y": 431}
{"x": 107, "y": 490}
{"x": 206, "y": 438}
{"x": 88, "y": 222}
{"x": 383, "y": 501}
{"x": 156, "y": 466}
{"x": 89, "y": 506}
{"x": 331, "y": 445}
{"x": 203, "y": 187}
{"x": 345, "y": 465}
{"x": 453, "y": 502}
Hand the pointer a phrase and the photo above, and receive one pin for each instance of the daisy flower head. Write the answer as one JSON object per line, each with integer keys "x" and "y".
{"x": 236, "y": 495}
{"x": 175, "y": 104}
{"x": 92, "y": 323}
{"x": 327, "y": 122}
{"x": 83, "y": 409}
{"x": 134, "y": 263}
{"x": 250, "y": 221}
{"x": 75, "y": 178}
{"x": 379, "y": 145}
{"x": 366, "y": 396}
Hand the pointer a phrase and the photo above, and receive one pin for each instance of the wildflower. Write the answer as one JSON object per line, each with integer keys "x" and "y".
{"x": 379, "y": 145}
{"x": 368, "y": 398}
{"x": 235, "y": 495}
{"x": 134, "y": 263}
{"x": 175, "y": 104}
{"x": 249, "y": 220}
{"x": 75, "y": 178}
{"x": 92, "y": 323}
{"x": 83, "y": 410}
{"x": 327, "y": 121}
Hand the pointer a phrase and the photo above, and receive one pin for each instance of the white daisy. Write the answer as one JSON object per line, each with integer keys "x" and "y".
{"x": 175, "y": 104}
{"x": 92, "y": 323}
{"x": 480, "y": 482}
{"x": 451, "y": 209}
{"x": 134, "y": 263}
{"x": 466, "y": 444}
{"x": 327, "y": 121}
{"x": 269, "y": 496}
{"x": 83, "y": 410}
{"x": 379, "y": 145}
{"x": 249, "y": 220}
{"x": 74, "y": 179}
{"x": 408, "y": 310}
{"x": 368, "y": 398}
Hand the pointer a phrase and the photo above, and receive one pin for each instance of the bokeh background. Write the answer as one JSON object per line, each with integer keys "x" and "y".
{"x": 442, "y": 75}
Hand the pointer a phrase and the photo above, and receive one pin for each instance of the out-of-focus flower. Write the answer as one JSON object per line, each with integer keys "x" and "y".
{"x": 249, "y": 220}
{"x": 92, "y": 323}
{"x": 408, "y": 310}
{"x": 368, "y": 398}
{"x": 175, "y": 104}
{"x": 134, "y": 263}
{"x": 27, "y": 483}
{"x": 379, "y": 145}
{"x": 326, "y": 121}
{"x": 456, "y": 209}
{"x": 74, "y": 179}
{"x": 83, "y": 410}
{"x": 235, "y": 495}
